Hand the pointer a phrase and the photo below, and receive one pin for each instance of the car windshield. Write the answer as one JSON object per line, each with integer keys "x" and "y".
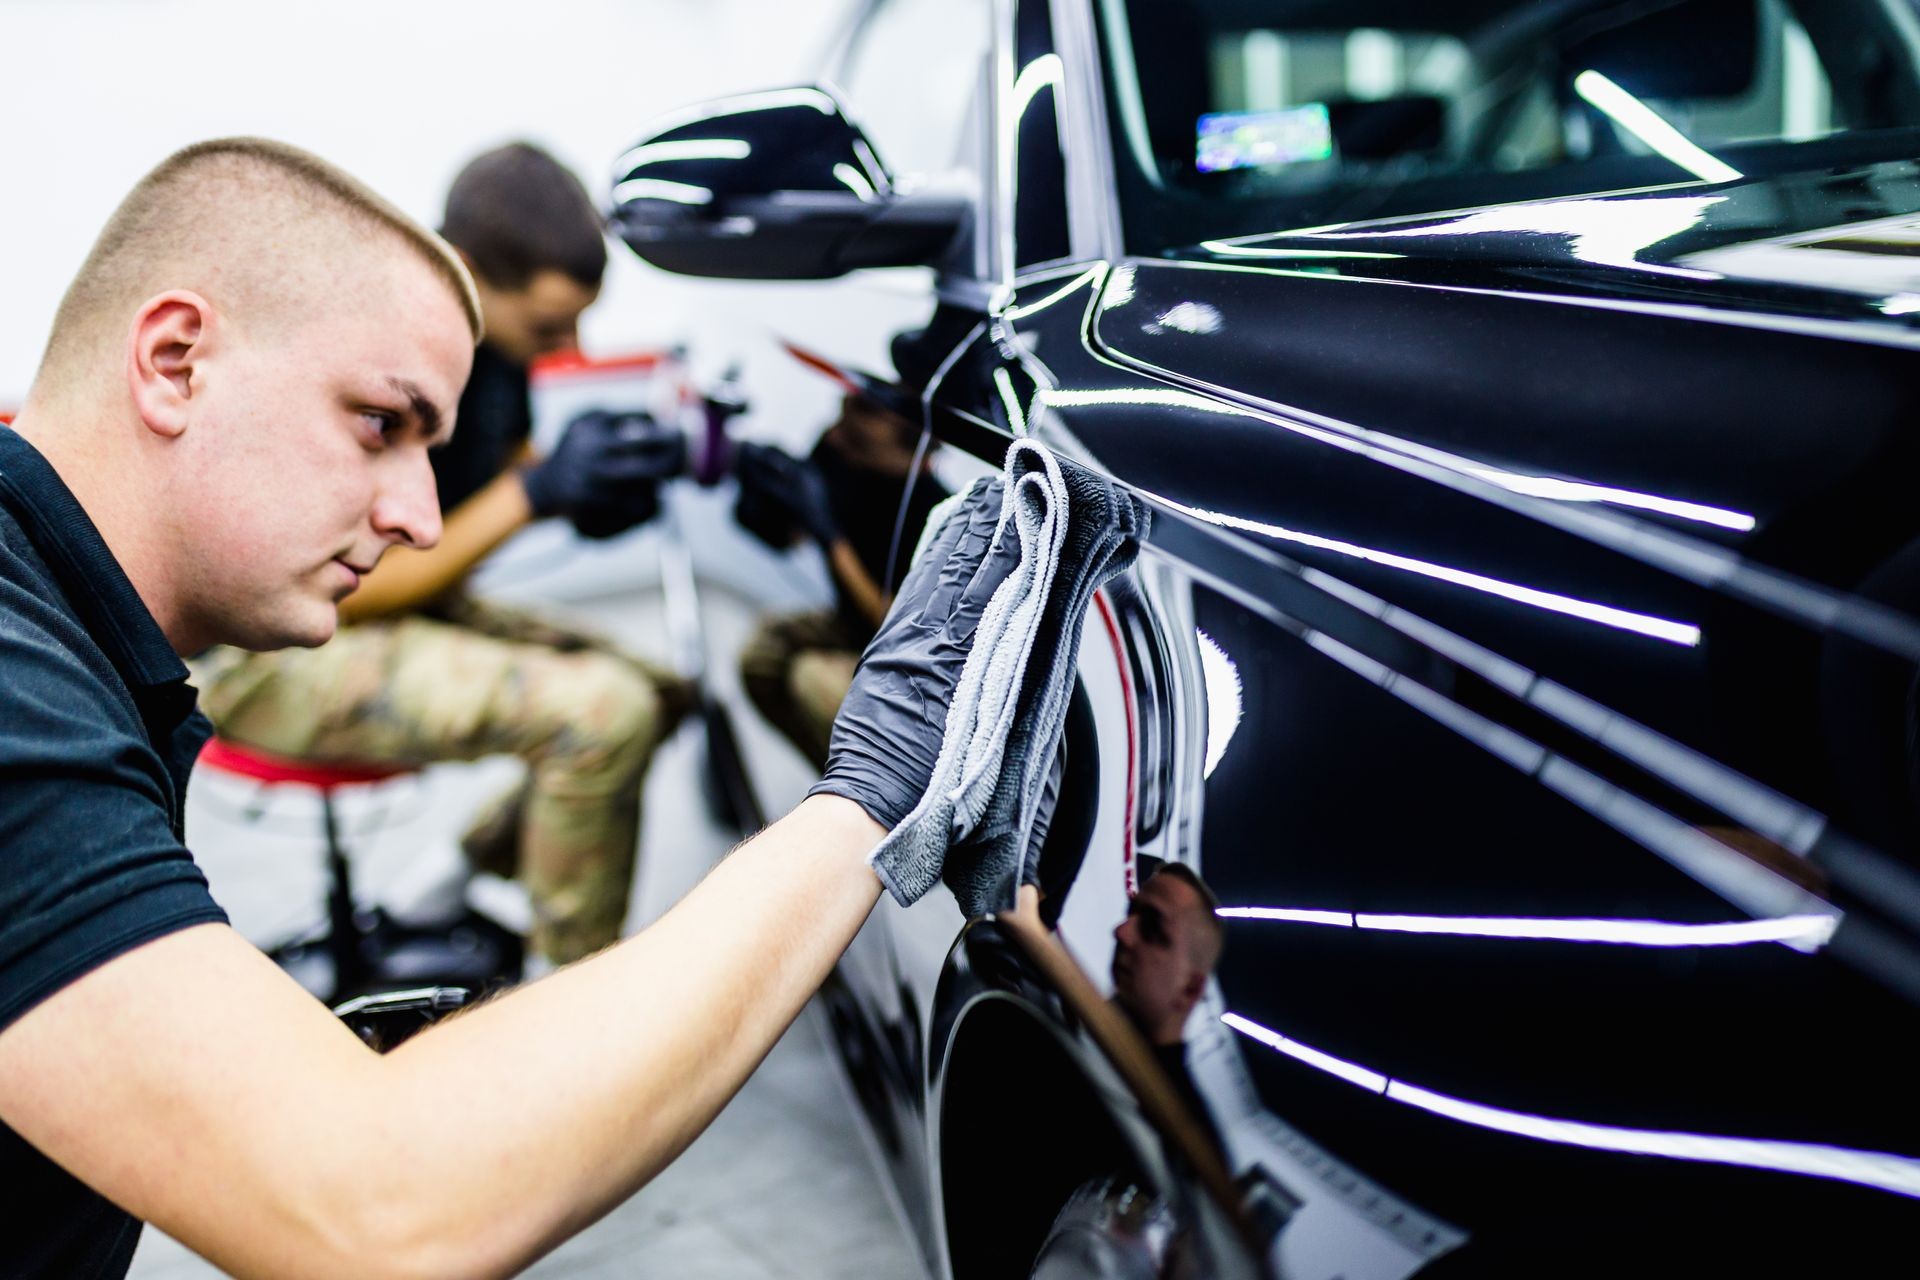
{"x": 1238, "y": 117}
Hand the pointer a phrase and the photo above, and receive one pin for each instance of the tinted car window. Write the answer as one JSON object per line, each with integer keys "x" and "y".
{"x": 1238, "y": 117}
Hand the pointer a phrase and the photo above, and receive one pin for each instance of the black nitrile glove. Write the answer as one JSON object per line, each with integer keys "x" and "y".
{"x": 887, "y": 735}
{"x": 1049, "y": 802}
{"x": 617, "y": 514}
{"x": 779, "y": 492}
{"x": 606, "y": 471}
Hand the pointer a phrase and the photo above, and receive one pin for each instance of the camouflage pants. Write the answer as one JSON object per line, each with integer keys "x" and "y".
{"x": 796, "y": 669}
{"x": 473, "y": 680}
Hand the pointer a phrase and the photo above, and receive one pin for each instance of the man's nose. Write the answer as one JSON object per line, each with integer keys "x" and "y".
{"x": 406, "y": 509}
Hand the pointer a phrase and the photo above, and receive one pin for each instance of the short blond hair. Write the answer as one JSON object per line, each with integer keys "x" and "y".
{"x": 228, "y": 211}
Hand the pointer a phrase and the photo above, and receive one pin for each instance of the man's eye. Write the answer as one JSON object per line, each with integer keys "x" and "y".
{"x": 1152, "y": 927}
{"x": 382, "y": 426}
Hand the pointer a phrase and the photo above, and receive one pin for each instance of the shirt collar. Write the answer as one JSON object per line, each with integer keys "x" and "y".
{"x": 112, "y": 611}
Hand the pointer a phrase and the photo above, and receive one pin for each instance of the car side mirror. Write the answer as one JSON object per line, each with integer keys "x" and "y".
{"x": 773, "y": 186}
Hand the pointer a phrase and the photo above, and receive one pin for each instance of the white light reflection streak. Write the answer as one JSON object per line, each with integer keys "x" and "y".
{"x": 1197, "y": 318}
{"x": 854, "y": 180}
{"x": 661, "y": 189}
{"x": 1640, "y": 120}
{"x": 1222, "y": 680}
{"x": 1622, "y": 619}
{"x": 687, "y": 149}
{"x": 1289, "y": 915}
{"x": 875, "y": 170}
{"x": 707, "y": 111}
{"x": 1580, "y": 491}
{"x": 1513, "y": 482}
{"x": 1016, "y": 420}
{"x": 1352, "y": 1073}
{"x": 1043, "y": 72}
{"x": 1139, "y": 395}
{"x": 1801, "y": 932}
{"x": 1609, "y": 232}
{"x": 1041, "y": 304}
{"x": 1879, "y": 1169}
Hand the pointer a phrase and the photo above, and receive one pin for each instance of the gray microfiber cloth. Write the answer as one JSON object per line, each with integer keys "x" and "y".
{"x": 975, "y": 823}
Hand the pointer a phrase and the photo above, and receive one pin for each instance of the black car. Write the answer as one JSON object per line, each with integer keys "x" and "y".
{"x": 1526, "y": 650}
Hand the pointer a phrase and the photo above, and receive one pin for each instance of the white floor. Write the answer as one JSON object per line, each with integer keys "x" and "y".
{"x": 780, "y": 1186}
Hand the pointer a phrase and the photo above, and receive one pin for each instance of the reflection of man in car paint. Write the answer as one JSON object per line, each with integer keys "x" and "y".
{"x": 1163, "y": 953}
{"x": 846, "y": 496}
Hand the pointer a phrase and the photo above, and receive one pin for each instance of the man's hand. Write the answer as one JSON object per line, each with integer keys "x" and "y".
{"x": 779, "y": 492}
{"x": 887, "y": 735}
{"x": 605, "y": 473}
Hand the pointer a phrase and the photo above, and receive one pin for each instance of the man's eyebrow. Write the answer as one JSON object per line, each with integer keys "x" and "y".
{"x": 421, "y": 406}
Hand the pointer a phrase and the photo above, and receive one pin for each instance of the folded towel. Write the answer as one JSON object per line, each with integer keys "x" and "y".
{"x": 986, "y": 866}
{"x": 1004, "y": 723}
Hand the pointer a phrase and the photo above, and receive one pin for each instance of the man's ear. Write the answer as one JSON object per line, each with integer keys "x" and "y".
{"x": 171, "y": 337}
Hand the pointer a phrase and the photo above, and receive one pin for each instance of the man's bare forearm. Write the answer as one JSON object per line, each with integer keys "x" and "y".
{"x": 865, "y": 593}
{"x": 554, "y": 1104}
{"x": 195, "y": 1085}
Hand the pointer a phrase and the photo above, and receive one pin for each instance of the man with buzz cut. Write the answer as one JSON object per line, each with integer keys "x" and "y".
{"x": 424, "y": 672}
{"x": 1164, "y": 951}
{"x": 228, "y": 430}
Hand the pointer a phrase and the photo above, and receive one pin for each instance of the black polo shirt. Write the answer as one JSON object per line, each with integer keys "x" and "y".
{"x": 97, "y": 734}
{"x": 495, "y": 419}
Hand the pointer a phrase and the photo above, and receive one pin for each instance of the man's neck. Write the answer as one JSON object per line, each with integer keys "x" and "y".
{"x": 1160, "y": 1038}
{"x": 113, "y": 490}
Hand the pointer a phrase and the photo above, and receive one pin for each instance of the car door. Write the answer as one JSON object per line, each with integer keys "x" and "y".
{"x": 914, "y": 74}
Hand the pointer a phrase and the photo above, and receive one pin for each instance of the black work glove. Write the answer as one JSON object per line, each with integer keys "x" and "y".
{"x": 779, "y": 493}
{"x": 616, "y": 515}
{"x": 887, "y": 735}
{"x": 605, "y": 472}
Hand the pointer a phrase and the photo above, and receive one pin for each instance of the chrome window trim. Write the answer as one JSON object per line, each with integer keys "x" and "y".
{"x": 1093, "y": 207}
{"x": 1052, "y": 269}
{"x": 1000, "y": 126}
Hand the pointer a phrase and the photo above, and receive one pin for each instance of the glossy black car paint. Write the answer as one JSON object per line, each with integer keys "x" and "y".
{"x": 1447, "y": 746}
{"x": 1560, "y": 584}
{"x": 695, "y": 202}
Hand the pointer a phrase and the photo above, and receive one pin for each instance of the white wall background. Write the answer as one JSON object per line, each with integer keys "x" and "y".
{"x": 400, "y": 92}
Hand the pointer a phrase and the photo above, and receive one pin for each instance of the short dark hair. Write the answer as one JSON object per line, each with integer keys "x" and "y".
{"x": 515, "y": 211}
{"x": 1187, "y": 875}
{"x": 1210, "y": 904}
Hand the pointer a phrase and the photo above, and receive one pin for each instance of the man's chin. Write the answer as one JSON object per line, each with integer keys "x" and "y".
{"x": 313, "y": 628}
